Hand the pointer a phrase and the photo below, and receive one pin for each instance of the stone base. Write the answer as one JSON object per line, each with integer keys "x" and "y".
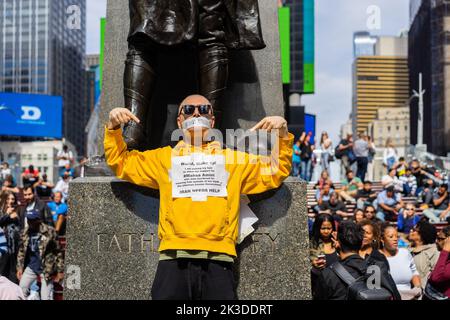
{"x": 112, "y": 243}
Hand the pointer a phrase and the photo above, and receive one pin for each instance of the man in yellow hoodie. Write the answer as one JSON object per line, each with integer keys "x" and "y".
{"x": 200, "y": 186}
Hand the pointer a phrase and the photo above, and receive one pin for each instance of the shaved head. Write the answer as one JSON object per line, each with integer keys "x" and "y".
{"x": 194, "y": 99}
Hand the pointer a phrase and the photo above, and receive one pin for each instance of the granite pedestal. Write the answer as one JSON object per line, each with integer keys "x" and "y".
{"x": 112, "y": 243}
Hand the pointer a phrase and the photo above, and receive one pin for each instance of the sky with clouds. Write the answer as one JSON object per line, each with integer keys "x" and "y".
{"x": 336, "y": 21}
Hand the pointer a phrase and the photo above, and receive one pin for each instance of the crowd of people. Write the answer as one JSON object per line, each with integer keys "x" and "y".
{"x": 32, "y": 228}
{"x": 401, "y": 227}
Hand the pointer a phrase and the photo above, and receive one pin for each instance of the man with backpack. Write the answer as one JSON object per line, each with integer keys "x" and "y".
{"x": 344, "y": 152}
{"x": 352, "y": 277}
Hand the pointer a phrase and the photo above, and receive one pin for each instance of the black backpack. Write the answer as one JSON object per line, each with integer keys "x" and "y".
{"x": 339, "y": 153}
{"x": 358, "y": 288}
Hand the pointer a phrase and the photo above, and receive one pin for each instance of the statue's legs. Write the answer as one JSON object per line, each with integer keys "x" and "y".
{"x": 139, "y": 82}
{"x": 213, "y": 54}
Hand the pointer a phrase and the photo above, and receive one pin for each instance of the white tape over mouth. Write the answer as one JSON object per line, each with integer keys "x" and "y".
{"x": 196, "y": 122}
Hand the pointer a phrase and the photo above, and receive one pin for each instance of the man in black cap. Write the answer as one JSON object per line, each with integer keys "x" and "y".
{"x": 31, "y": 203}
{"x": 39, "y": 255}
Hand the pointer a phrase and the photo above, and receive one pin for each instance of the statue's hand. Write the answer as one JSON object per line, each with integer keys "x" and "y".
{"x": 273, "y": 123}
{"x": 119, "y": 116}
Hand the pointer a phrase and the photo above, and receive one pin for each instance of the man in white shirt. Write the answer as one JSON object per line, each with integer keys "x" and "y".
{"x": 64, "y": 157}
{"x": 4, "y": 171}
{"x": 63, "y": 185}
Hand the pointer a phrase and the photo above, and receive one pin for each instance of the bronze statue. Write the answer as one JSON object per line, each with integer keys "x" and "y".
{"x": 214, "y": 26}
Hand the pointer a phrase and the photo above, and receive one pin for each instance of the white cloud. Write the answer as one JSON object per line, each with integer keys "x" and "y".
{"x": 95, "y": 9}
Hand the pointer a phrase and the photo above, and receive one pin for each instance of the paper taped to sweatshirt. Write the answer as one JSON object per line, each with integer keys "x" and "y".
{"x": 199, "y": 176}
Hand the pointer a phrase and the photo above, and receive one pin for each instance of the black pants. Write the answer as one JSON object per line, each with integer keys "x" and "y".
{"x": 194, "y": 279}
{"x": 362, "y": 167}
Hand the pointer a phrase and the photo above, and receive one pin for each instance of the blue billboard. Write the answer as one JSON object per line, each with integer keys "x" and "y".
{"x": 30, "y": 115}
{"x": 310, "y": 125}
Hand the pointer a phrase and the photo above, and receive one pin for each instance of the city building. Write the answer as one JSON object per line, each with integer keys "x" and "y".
{"x": 40, "y": 154}
{"x": 429, "y": 54}
{"x": 93, "y": 101}
{"x": 380, "y": 80}
{"x": 390, "y": 123}
{"x": 42, "y": 51}
{"x": 92, "y": 60}
{"x": 414, "y": 6}
{"x": 363, "y": 44}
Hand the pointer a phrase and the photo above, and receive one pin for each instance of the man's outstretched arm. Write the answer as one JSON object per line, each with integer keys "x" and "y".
{"x": 263, "y": 173}
{"x": 141, "y": 168}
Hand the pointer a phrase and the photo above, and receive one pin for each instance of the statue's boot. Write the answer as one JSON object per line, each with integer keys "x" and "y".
{"x": 139, "y": 82}
{"x": 213, "y": 63}
{"x": 213, "y": 54}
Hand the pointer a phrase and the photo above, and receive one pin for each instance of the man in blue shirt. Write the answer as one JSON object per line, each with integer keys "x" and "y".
{"x": 59, "y": 213}
{"x": 323, "y": 196}
{"x": 296, "y": 159}
{"x": 390, "y": 204}
{"x": 408, "y": 219}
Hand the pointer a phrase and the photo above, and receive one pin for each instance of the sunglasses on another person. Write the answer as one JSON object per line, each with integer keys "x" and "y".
{"x": 189, "y": 109}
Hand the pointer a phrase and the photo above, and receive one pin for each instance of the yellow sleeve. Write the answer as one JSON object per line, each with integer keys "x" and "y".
{"x": 263, "y": 173}
{"x": 141, "y": 168}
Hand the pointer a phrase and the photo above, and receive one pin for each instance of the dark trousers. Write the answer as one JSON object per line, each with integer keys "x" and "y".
{"x": 194, "y": 279}
{"x": 362, "y": 163}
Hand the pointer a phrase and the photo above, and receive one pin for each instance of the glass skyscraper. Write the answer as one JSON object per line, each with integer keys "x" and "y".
{"x": 363, "y": 44}
{"x": 42, "y": 50}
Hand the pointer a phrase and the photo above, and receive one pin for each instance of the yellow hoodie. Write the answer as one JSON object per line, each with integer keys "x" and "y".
{"x": 185, "y": 224}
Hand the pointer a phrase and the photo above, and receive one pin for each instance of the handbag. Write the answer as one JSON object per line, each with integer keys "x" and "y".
{"x": 351, "y": 156}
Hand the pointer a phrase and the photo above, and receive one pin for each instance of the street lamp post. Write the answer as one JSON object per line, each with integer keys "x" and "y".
{"x": 419, "y": 95}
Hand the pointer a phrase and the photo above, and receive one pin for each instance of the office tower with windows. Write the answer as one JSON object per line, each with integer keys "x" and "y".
{"x": 380, "y": 77}
{"x": 42, "y": 51}
{"x": 429, "y": 55}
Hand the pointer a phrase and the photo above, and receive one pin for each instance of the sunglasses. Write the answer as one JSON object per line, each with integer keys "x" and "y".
{"x": 189, "y": 109}
{"x": 370, "y": 211}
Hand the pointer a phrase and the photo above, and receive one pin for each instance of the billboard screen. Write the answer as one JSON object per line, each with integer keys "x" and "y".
{"x": 308, "y": 46}
{"x": 30, "y": 115}
{"x": 284, "y": 18}
{"x": 310, "y": 125}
